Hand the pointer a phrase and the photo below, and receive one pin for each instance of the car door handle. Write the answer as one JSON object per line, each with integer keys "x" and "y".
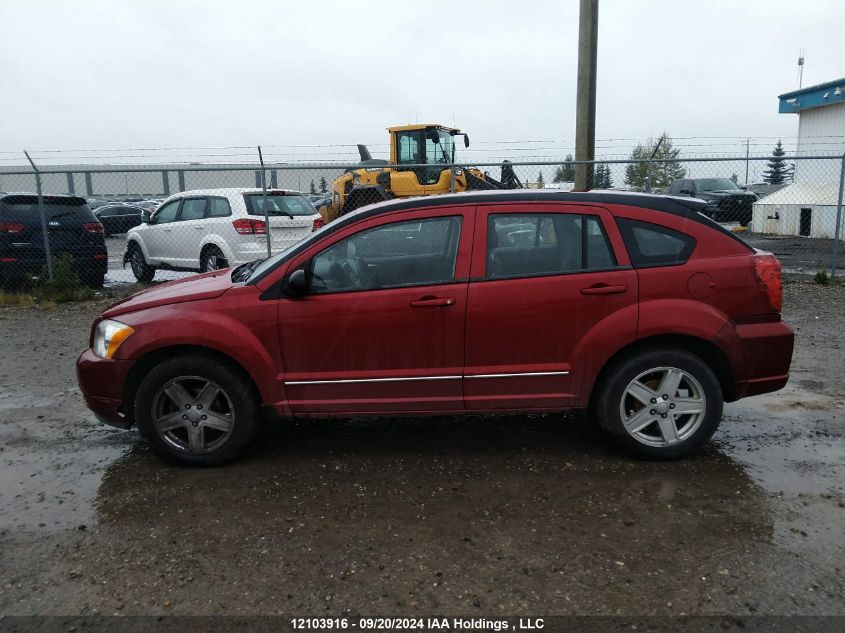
{"x": 199, "y": 228}
{"x": 604, "y": 289}
{"x": 433, "y": 302}
{"x": 167, "y": 230}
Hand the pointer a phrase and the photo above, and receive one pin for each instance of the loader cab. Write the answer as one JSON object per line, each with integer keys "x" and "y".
{"x": 432, "y": 145}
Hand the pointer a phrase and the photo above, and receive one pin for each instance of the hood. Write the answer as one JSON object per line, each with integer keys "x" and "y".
{"x": 712, "y": 195}
{"x": 205, "y": 286}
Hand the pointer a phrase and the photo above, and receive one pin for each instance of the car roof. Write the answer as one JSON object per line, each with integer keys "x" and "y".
{"x": 234, "y": 191}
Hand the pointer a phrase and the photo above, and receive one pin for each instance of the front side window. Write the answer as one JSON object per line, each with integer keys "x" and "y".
{"x": 193, "y": 209}
{"x": 654, "y": 245}
{"x": 167, "y": 213}
{"x": 545, "y": 244}
{"x": 409, "y": 253}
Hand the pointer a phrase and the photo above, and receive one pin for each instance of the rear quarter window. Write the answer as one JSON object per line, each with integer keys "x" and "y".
{"x": 654, "y": 245}
{"x": 278, "y": 204}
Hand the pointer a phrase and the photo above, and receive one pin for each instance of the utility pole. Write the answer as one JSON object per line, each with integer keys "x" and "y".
{"x": 585, "y": 108}
{"x": 747, "y": 154}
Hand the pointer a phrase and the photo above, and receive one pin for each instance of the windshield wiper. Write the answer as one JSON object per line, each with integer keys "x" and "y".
{"x": 242, "y": 272}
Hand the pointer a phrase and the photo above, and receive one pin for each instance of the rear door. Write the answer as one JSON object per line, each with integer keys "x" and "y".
{"x": 382, "y": 330}
{"x": 546, "y": 280}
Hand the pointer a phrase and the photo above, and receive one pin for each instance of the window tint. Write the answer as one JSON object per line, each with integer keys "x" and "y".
{"x": 167, "y": 213}
{"x": 107, "y": 212}
{"x": 193, "y": 209}
{"x": 545, "y": 244}
{"x": 393, "y": 255}
{"x": 278, "y": 204}
{"x": 218, "y": 208}
{"x": 654, "y": 245}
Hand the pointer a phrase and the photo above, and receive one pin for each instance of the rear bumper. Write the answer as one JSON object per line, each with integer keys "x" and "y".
{"x": 760, "y": 355}
{"x": 101, "y": 381}
{"x": 86, "y": 263}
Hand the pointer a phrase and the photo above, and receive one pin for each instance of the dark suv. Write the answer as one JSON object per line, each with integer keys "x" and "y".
{"x": 72, "y": 230}
{"x": 726, "y": 202}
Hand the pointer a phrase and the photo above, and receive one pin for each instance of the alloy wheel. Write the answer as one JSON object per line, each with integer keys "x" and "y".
{"x": 663, "y": 406}
{"x": 193, "y": 415}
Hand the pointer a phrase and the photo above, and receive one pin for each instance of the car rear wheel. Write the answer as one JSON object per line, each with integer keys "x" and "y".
{"x": 661, "y": 404}
{"x": 212, "y": 259}
{"x": 196, "y": 411}
{"x": 143, "y": 272}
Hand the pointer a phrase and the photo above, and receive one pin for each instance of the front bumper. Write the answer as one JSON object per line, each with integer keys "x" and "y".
{"x": 101, "y": 381}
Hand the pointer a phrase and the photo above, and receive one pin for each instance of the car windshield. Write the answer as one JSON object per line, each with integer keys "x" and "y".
{"x": 278, "y": 204}
{"x": 716, "y": 184}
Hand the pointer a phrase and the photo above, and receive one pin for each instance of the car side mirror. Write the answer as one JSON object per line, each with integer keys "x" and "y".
{"x": 146, "y": 217}
{"x": 466, "y": 140}
{"x": 297, "y": 284}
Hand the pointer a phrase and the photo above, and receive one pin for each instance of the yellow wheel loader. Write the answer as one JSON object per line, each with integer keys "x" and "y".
{"x": 421, "y": 159}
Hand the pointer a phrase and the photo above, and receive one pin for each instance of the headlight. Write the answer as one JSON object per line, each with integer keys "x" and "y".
{"x": 108, "y": 337}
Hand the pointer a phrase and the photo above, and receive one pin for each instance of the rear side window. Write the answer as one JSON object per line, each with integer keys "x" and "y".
{"x": 218, "y": 208}
{"x": 545, "y": 244}
{"x": 654, "y": 245}
{"x": 278, "y": 204}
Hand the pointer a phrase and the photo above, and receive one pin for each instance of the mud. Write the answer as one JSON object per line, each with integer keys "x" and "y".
{"x": 507, "y": 515}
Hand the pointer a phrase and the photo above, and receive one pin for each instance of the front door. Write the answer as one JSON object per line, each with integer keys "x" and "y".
{"x": 545, "y": 278}
{"x": 382, "y": 328}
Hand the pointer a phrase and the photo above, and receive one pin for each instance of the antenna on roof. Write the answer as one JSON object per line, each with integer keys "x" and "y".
{"x": 800, "y": 68}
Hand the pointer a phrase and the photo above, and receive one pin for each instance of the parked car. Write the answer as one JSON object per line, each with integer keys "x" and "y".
{"x": 216, "y": 228}
{"x": 119, "y": 218}
{"x": 635, "y": 307}
{"x": 148, "y": 205}
{"x": 72, "y": 230}
{"x": 726, "y": 201}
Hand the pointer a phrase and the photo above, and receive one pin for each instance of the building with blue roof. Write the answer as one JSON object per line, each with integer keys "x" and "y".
{"x": 808, "y": 206}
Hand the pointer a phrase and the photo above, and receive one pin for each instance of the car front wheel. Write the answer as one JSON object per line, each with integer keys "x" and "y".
{"x": 143, "y": 272}
{"x": 212, "y": 259}
{"x": 660, "y": 404}
{"x": 196, "y": 411}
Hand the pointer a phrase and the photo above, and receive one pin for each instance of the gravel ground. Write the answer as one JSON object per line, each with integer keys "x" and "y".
{"x": 509, "y": 515}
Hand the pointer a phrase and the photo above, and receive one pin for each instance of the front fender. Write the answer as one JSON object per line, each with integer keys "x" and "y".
{"x": 254, "y": 349}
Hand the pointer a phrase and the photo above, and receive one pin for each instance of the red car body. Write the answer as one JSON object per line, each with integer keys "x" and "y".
{"x": 472, "y": 344}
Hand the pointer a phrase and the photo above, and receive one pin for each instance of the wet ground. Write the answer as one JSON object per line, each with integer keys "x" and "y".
{"x": 510, "y": 515}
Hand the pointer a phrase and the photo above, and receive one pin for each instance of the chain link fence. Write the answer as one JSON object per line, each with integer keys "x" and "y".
{"x": 119, "y": 224}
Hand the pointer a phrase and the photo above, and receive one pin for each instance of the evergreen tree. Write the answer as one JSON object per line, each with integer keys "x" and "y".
{"x": 313, "y": 187}
{"x": 565, "y": 172}
{"x": 663, "y": 173}
{"x": 778, "y": 171}
{"x": 324, "y": 186}
{"x": 602, "y": 178}
{"x": 540, "y": 182}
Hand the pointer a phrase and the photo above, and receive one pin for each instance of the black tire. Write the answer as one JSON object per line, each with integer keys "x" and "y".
{"x": 238, "y": 394}
{"x": 143, "y": 272}
{"x": 651, "y": 367}
{"x": 212, "y": 259}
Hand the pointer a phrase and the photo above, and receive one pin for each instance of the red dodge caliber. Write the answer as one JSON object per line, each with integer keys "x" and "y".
{"x": 637, "y": 308}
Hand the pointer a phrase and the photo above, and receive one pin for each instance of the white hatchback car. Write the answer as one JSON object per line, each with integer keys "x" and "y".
{"x": 209, "y": 229}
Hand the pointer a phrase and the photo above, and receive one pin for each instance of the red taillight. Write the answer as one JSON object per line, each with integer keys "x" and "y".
{"x": 100, "y": 256}
{"x": 318, "y": 224}
{"x": 247, "y": 226}
{"x": 8, "y": 260}
{"x": 12, "y": 227}
{"x": 767, "y": 268}
{"x": 92, "y": 227}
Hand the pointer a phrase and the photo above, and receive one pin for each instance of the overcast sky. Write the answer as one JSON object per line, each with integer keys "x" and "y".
{"x": 119, "y": 74}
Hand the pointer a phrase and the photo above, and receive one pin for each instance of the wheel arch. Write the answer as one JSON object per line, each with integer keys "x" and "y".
{"x": 708, "y": 351}
{"x": 149, "y": 360}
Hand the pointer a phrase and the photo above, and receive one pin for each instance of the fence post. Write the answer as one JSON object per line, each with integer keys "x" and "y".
{"x": 451, "y": 178}
{"x": 89, "y": 186}
{"x": 71, "y": 189}
{"x": 43, "y": 215}
{"x": 835, "y": 258}
{"x": 165, "y": 182}
{"x": 181, "y": 175}
{"x": 264, "y": 201}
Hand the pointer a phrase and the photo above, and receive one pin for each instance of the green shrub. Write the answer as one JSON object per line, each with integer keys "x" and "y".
{"x": 66, "y": 285}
